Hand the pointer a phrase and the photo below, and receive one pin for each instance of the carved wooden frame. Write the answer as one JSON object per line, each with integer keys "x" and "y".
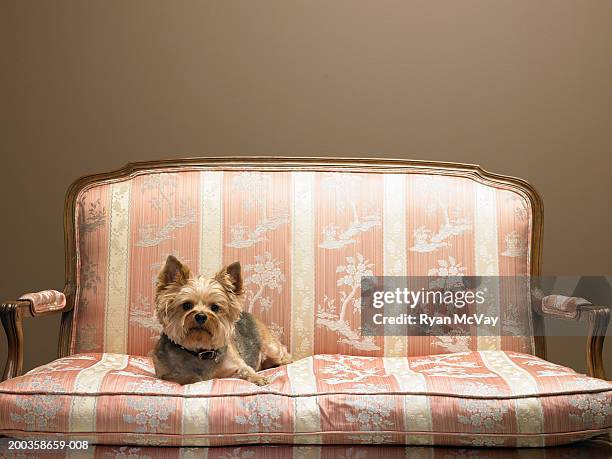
{"x": 12, "y": 312}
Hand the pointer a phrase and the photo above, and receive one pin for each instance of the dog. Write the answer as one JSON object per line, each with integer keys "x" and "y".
{"x": 205, "y": 333}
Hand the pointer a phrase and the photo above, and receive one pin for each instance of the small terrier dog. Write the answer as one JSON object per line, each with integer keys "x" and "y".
{"x": 205, "y": 333}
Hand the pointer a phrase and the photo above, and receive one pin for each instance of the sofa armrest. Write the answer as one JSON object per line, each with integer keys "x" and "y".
{"x": 573, "y": 308}
{"x": 12, "y": 313}
{"x": 45, "y": 302}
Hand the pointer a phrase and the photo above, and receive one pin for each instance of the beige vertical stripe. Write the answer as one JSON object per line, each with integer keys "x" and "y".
{"x": 394, "y": 245}
{"x": 193, "y": 453}
{"x": 211, "y": 226}
{"x": 417, "y": 412}
{"x": 486, "y": 259}
{"x": 83, "y": 407}
{"x": 302, "y": 265}
{"x": 116, "y": 312}
{"x": 307, "y": 452}
{"x": 529, "y": 413}
{"x": 420, "y": 452}
{"x": 306, "y": 409}
{"x": 195, "y": 412}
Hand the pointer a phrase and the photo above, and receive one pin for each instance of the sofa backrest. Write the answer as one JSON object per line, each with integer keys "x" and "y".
{"x": 305, "y": 231}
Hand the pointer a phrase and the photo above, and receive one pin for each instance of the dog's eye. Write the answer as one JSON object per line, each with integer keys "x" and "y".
{"x": 215, "y": 308}
{"x": 187, "y": 306}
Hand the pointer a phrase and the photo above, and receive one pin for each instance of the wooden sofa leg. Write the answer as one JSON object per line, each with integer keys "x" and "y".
{"x": 10, "y": 314}
{"x": 598, "y": 324}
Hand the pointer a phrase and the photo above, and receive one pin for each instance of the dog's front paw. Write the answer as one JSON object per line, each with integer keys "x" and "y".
{"x": 259, "y": 380}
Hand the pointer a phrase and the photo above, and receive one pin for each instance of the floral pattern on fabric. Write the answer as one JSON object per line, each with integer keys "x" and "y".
{"x": 482, "y": 415}
{"x": 349, "y": 399}
{"x": 38, "y": 412}
{"x": 305, "y": 239}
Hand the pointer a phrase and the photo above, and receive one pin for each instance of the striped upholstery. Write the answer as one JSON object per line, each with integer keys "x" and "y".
{"x": 45, "y": 301}
{"x": 487, "y": 398}
{"x": 584, "y": 450}
{"x": 304, "y": 239}
{"x": 563, "y": 306}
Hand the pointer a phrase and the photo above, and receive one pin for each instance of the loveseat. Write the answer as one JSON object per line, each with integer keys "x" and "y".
{"x": 306, "y": 231}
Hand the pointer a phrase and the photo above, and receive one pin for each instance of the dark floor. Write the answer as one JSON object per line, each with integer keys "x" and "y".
{"x": 590, "y": 449}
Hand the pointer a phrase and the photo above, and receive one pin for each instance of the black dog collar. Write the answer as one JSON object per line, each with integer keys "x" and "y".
{"x": 202, "y": 354}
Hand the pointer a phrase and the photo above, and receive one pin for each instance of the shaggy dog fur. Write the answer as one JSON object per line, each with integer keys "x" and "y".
{"x": 205, "y": 333}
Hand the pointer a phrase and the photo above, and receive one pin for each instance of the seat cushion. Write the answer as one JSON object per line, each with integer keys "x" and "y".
{"x": 486, "y": 398}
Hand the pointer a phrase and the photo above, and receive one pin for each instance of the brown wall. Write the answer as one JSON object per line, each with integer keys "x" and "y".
{"x": 520, "y": 87}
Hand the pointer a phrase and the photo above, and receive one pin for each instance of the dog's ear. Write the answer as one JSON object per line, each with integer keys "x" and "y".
{"x": 173, "y": 272}
{"x": 230, "y": 278}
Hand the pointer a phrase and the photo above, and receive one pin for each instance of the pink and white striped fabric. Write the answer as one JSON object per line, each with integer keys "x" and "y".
{"x": 563, "y": 306}
{"x": 584, "y": 450}
{"x": 486, "y": 398}
{"x": 46, "y": 301}
{"x": 304, "y": 240}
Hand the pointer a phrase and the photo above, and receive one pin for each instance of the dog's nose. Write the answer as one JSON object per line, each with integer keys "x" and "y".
{"x": 200, "y": 318}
